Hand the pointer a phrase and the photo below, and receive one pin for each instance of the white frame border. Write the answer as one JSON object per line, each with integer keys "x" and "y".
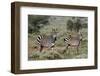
{"x": 25, "y": 64}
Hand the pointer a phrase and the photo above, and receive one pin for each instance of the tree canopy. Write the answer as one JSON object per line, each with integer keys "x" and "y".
{"x": 36, "y": 22}
{"x": 74, "y": 25}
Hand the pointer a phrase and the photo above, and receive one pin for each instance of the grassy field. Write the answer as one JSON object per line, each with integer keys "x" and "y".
{"x": 60, "y": 46}
{"x": 58, "y": 23}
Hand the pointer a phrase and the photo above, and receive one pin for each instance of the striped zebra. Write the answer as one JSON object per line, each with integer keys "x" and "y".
{"x": 73, "y": 41}
{"x": 47, "y": 41}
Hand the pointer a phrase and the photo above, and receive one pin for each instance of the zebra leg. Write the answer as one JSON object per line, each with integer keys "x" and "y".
{"x": 77, "y": 50}
{"x": 41, "y": 48}
{"x": 65, "y": 49}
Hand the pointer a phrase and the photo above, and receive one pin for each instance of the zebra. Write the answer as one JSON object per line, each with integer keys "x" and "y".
{"x": 47, "y": 41}
{"x": 73, "y": 41}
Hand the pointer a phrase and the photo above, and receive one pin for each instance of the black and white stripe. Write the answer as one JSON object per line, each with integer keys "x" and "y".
{"x": 39, "y": 38}
{"x": 66, "y": 39}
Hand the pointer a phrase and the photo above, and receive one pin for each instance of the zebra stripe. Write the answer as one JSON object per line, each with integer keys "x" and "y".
{"x": 39, "y": 38}
{"x": 66, "y": 39}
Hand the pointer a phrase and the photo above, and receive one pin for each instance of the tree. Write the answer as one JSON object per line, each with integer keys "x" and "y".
{"x": 35, "y": 22}
{"x": 70, "y": 25}
{"x": 77, "y": 25}
{"x": 74, "y": 24}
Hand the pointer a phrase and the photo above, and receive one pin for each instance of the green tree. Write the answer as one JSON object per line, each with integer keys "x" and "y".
{"x": 74, "y": 24}
{"x": 70, "y": 25}
{"x": 35, "y": 22}
{"x": 77, "y": 25}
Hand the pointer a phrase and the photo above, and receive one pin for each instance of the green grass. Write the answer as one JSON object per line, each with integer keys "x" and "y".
{"x": 57, "y": 52}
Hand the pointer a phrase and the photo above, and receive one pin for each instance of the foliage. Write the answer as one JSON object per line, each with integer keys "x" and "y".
{"x": 36, "y": 22}
{"x": 70, "y": 25}
{"x": 76, "y": 23}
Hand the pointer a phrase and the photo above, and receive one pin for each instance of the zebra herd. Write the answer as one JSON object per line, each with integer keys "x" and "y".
{"x": 48, "y": 41}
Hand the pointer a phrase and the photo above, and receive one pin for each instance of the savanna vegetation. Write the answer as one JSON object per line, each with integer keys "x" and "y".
{"x": 65, "y": 25}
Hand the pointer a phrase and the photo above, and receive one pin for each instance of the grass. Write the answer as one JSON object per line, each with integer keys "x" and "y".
{"x": 57, "y": 52}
